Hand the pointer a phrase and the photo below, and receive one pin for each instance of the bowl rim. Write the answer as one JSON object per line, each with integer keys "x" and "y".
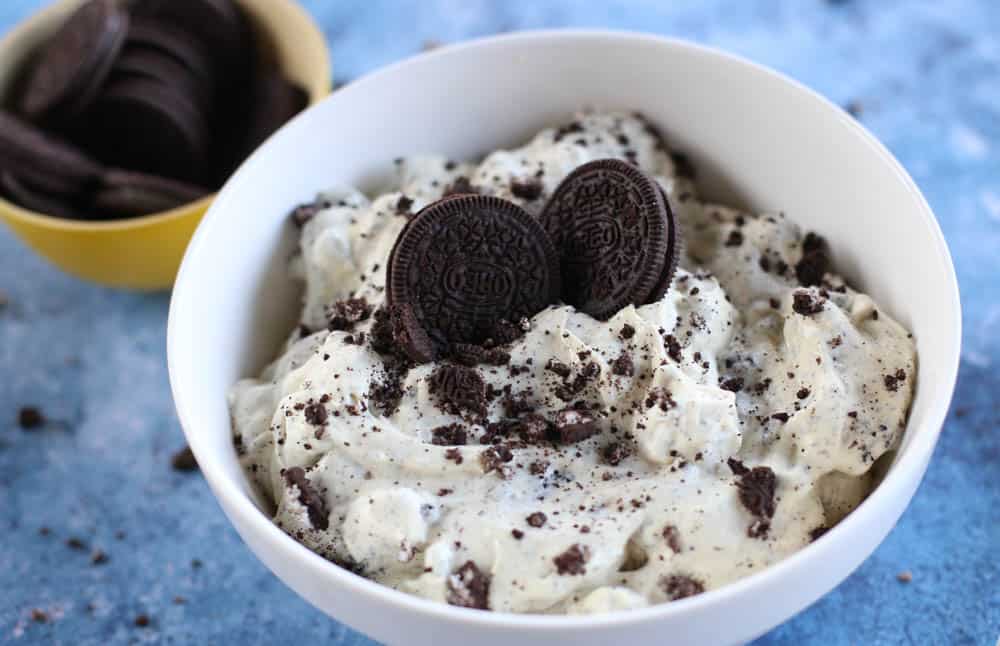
{"x": 317, "y": 91}
{"x": 236, "y": 503}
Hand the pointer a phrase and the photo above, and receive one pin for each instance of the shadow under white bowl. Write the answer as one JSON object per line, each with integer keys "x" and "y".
{"x": 758, "y": 140}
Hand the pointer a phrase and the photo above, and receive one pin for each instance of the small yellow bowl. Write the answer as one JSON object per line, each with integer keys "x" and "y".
{"x": 144, "y": 252}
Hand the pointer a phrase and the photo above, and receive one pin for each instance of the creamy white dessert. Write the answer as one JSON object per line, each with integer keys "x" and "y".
{"x": 738, "y": 417}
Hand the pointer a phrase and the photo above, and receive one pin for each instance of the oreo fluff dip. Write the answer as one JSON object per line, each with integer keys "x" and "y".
{"x": 573, "y": 464}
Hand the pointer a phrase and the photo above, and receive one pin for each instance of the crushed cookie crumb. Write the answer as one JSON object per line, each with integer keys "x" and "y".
{"x": 469, "y": 587}
{"x": 679, "y": 587}
{"x": 573, "y": 560}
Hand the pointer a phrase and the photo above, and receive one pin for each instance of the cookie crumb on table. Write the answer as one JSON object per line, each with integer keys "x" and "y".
{"x": 30, "y": 418}
{"x": 184, "y": 460}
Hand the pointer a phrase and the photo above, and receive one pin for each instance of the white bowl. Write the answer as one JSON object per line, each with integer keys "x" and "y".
{"x": 757, "y": 138}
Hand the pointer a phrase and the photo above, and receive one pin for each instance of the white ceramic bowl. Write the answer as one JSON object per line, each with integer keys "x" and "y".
{"x": 757, "y": 138}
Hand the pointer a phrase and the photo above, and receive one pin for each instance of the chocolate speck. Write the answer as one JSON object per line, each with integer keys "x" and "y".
{"x": 458, "y": 388}
{"x": 537, "y": 519}
{"x": 30, "y": 418}
{"x": 184, "y": 460}
{"x": 450, "y": 435}
{"x": 403, "y": 205}
{"x": 756, "y": 492}
{"x": 573, "y": 425}
{"x": 892, "y": 381}
{"x": 469, "y": 587}
{"x": 75, "y": 543}
{"x": 527, "y": 189}
{"x": 558, "y": 367}
{"x": 315, "y": 414}
{"x": 673, "y": 538}
{"x": 733, "y": 384}
{"x": 573, "y": 560}
{"x": 615, "y": 453}
{"x": 815, "y": 261}
{"x": 806, "y": 304}
{"x": 493, "y": 458}
{"x": 679, "y": 587}
{"x": 461, "y": 186}
{"x": 343, "y": 315}
{"x": 315, "y": 504}
{"x": 623, "y": 366}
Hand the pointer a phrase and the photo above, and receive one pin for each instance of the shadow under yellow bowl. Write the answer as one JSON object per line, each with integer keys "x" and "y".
{"x": 144, "y": 252}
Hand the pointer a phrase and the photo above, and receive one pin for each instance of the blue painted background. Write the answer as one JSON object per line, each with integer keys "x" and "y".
{"x": 926, "y": 78}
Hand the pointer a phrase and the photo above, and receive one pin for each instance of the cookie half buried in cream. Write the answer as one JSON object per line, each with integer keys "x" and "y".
{"x": 586, "y": 465}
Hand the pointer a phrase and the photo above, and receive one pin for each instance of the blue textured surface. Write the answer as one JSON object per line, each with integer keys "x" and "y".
{"x": 926, "y": 76}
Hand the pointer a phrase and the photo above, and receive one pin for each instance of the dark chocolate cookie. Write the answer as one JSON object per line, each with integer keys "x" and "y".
{"x": 275, "y": 101}
{"x": 465, "y": 264}
{"x": 148, "y": 62}
{"x": 73, "y": 64}
{"x": 180, "y": 45}
{"x": 44, "y": 161}
{"x": 675, "y": 249}
{"x": 218, "y": 24}
{"x": 126, "y": 193}
{"x": 141, "y": 124}
{"x": 611, "y": 226}
{"x": 33, "y": 199}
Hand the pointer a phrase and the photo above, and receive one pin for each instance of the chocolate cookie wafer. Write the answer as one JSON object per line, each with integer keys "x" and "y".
{"x": 180, "y": 45}
{"x": 462, "y": 267}
{"x": 611, "y": 227}
{"x": 675, "y": 249}
{"x": 151, "y": 63}
{"x": 217, "y": 24}
{"x": 275, "y": 101}
{"x": 72, "y": 66}
{"x": 44, "y": 161}
{"x": 141, "y": 124}
{"x": 125, "y": 193}
{"x": 33, "y": 199}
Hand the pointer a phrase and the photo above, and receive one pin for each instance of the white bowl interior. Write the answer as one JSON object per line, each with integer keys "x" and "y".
{"x": 757, "y": 139}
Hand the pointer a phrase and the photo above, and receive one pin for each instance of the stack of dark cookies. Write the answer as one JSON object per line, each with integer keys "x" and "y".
{"x": 138, "y": 106}
{"x": 469, "y": 270}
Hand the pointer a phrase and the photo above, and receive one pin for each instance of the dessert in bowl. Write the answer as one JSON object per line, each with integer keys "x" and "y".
{"x": 705, "y": 461}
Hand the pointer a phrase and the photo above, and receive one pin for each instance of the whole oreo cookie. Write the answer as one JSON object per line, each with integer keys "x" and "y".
{"x": 181, "y": 46}
{"x": 126, "y": 193}
{"x": 141, "y": 124}
{"x": 218, "y": 24}
{"x": 274, "y": 101}
{"x": 611, "y": 226}
{"x": 43, "y": 161}
{"x": 675, "y": 249}
{"x": 33, "y": 199}
{"x": 463, "y": 265}
{"x": 72, "y": 66}
{"x": 150, "y": 63}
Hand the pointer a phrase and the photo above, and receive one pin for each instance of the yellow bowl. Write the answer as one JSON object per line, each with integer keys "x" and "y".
{"x": 145, "y": 252}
